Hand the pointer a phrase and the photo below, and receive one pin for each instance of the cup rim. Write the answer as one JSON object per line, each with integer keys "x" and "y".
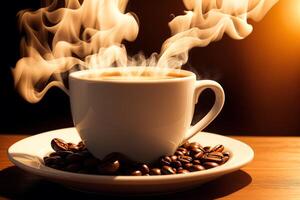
{"x": 78, "y": 75}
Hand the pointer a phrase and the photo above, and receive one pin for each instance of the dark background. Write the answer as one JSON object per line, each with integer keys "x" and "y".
{"x": 260, "y": 75}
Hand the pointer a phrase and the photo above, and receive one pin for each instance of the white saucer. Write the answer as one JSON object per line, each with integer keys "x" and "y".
{"x": 28, "y": 153}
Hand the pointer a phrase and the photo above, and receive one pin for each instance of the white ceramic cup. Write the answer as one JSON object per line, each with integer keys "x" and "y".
{"x": 143, "y": 119}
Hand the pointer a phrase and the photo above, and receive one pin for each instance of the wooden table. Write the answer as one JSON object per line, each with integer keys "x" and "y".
{"x": 273, "y": 174}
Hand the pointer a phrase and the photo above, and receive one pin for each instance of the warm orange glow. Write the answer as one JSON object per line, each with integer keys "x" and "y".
{"x": 295, "y": 6}
{"x": 292, "y": 14}
{"x": 271, "y": 69}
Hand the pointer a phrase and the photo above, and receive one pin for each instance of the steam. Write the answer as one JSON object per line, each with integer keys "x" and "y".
{"x": 89, "y": 34}
{"x": 207, "y": 21}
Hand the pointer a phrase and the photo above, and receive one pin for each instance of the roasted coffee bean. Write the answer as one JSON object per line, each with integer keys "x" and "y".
{"x": 73, "y": 147}
{"x": 53, "y": 154}
{"x": 189, "y": 157}
{"x": 183, "y": 171}
{"x": 185, "y": 159}
{"x": 209, "y": 165}
{"x": 195, "y": 168}
{"x": 74, "y": 158}
{"x": 179, "y": 153}
{"x": 47, "y": 160}
{"x": 166, "y": 160}
{"x": 215, "y": 157}
{"x": 167, "y": 170}
{"x": 198, "y": 155}
{"x": 155, "y": 171}
{"x": 207, "y": 149}
{"x": 173, "y": 158}
{"x": 225, "y": 159}
{"x": 113, "y": 156}
{"x": 212, "y": 159}
{"x": 80, "y": 143}
{"x": 85, "y": 153}
{"x": 226, "y": 153}
{"x": 59, "y": 145}
{"x": 46, "y": 157}
{"x": 187, "y": 165}
{"x": 194, "y": 145}
{"x": 195, "y": 151}
{"x": 176, "y": 164}
{"x": 61, "y": 162}
{"x": 57, "y": 160}
{"x": 196, "y": 162}
{"x": 186, "y": 145}
{"x": 52, "y": 160}
{"x": 183, "y": 150}
{"x": 218, "y": 148}
{"x": 109, "y": 167}
{"x": 90, "y": 162}
{"x": 73, "y": 167}
{"x": 163, "y": 162}
{"x": 216, "y": 154}
{"x": 81, "y": 146}
{"x": 209, "y": 158}
{"x": 63, "y": 154}
{"x": 124, "y": 160}
{"x": 136, "y": 173}
{"x": 174, "y": 169}
{"x": 143, "y": 168}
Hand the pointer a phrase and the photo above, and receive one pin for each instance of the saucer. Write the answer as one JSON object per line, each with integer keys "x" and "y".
{"x": 29, "y": 152}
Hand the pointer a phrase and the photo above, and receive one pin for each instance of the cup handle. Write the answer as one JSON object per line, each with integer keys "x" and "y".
{"x": 215, "y": 110}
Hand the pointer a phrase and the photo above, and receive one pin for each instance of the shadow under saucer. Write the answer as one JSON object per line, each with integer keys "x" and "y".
{"x": 18, "y": 184}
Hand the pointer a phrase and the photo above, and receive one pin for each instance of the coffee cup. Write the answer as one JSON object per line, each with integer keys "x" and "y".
{"x": 143, "y": 113}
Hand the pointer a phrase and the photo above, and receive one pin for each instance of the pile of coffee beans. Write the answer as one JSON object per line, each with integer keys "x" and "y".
{"x": 190, "y": 157}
